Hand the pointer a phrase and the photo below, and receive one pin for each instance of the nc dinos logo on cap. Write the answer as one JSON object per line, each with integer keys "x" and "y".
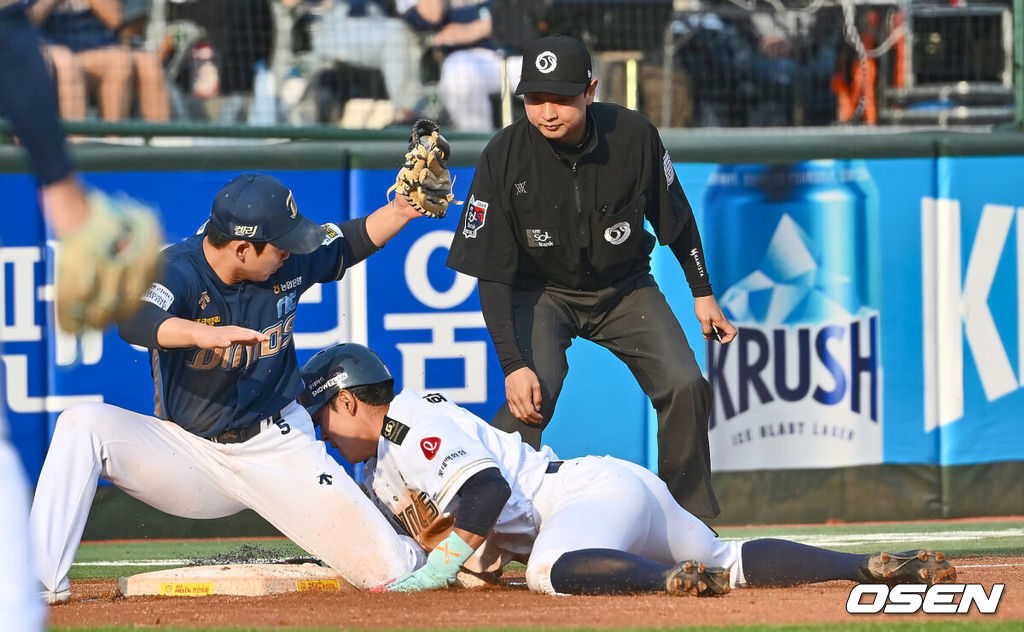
{"x": 547, "y": 62}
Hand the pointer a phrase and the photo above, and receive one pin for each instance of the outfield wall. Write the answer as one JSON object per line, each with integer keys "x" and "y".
{"x": 877, "y": 374}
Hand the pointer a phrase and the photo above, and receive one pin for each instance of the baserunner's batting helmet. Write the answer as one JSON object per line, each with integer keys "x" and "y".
{"x": 342, "y": 366}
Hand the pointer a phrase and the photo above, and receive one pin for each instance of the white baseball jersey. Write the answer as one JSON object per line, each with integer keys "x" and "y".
{"x": 430, "y": 447}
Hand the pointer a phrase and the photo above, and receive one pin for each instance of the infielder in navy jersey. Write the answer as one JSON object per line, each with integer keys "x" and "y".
{"x": 227, "y": 433}
{"x": 479, "y": 498}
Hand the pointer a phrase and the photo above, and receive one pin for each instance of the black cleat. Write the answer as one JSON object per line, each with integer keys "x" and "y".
{"x": 693, "y": 578}
{"x": 909, "y": 567}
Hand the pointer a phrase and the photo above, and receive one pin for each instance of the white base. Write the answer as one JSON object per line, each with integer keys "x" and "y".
{"x": 234, "y": 579}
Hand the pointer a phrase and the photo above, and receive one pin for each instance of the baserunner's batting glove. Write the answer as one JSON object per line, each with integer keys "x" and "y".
{"x": 441, "y": 569}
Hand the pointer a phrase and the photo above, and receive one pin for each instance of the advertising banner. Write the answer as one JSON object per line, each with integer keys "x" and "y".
{"x": 879, "y": 309}
{"x": 879, "y": 304}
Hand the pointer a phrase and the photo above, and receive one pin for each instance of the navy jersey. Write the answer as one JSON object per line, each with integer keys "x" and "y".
{"x": 208, "y": 391}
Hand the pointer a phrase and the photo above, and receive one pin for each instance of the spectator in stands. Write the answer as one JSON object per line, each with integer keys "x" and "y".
{"x": 84, "y": 49}
{"x": 154, "y": 102}
{"x": 367, "y": 34}
{"x": 236, "y": 44}
{"x": 762, "y": 67}
{"x": 471, "y": 69}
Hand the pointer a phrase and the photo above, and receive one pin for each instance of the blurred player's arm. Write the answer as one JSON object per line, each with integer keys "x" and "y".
{"x": 29, "y": 99}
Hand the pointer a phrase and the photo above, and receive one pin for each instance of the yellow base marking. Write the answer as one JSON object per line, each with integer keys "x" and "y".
{"x": 186, "y": 589}
{"x": 325, "y": 585}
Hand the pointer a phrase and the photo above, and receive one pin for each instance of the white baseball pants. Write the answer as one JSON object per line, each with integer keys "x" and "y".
{"x": 283, "y": 473}
{"x": 606, "y": 503}
{"x": 20, "y": 604}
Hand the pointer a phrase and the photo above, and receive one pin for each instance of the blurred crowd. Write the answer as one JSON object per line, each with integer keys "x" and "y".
{"x": 373, "y": 63}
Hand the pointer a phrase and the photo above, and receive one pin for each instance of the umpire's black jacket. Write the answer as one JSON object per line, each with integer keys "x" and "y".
{"x": 540, "y": 217}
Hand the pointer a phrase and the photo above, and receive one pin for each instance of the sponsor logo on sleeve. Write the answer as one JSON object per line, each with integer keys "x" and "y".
{"x": 394, "y": 431}
{"x": 476, "y": 215}
{"x": 159, "y": 295}
{"x": 670, "y": 171}
{"x": 332, "y": 232}
{"x": 430, "y": 446}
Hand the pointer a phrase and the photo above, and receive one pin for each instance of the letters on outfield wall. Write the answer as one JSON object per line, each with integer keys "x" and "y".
{"x": 880, "y": 305}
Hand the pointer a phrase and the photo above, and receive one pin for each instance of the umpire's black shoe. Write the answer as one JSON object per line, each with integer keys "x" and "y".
{"x": 920, "y": 566}
{"x": 693, "y": 578}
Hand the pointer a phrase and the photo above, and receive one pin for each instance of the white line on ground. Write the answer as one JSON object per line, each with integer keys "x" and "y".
{"x": 855, "y": 539}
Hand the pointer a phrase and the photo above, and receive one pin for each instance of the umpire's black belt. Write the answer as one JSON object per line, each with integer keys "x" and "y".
{"x": 243, "y": 434}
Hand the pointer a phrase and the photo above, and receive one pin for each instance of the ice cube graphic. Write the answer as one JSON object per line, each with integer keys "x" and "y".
{"x": 789, "y": 285}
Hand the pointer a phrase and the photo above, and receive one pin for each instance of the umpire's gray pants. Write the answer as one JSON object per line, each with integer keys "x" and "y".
{"x": 637, "y": 325}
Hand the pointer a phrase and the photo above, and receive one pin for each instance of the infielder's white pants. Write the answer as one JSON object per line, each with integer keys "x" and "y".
{"x": 21, "y": 608}
{"x": 606, "y": 503}
{"x": 283, "y": 473}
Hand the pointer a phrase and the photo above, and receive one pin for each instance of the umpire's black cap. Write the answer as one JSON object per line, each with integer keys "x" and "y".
{"x": 342, "y": 366}
{"x": 557, "y": 64}
{"x": 257, "y": 207}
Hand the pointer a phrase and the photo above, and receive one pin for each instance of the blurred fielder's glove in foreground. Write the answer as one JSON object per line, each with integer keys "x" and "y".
{"x": 107, "y": 264}
{"x": 424, "y": 179}
{"x": 441, "y": 569}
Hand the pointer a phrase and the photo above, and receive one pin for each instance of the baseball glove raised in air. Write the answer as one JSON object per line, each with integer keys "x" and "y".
{"x": 106, "y": 265}
{"x": 424, "y": 180}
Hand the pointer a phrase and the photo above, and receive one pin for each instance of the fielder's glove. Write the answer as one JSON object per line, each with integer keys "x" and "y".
{"x": 107, "y": 264}
{"x": 424, "y": 180}
{"x": 441, "y": 569}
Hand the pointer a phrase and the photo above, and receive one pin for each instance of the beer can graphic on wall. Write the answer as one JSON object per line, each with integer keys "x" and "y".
{"x": 793, "y": 250}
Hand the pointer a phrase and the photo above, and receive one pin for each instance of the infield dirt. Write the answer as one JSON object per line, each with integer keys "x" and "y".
{"x": 94, "y": 603}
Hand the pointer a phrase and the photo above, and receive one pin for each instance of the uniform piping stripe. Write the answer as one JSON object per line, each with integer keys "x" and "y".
{"x": 456, "y": 477}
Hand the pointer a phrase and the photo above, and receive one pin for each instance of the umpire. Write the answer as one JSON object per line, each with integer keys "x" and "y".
{"x": 554, "y": 231}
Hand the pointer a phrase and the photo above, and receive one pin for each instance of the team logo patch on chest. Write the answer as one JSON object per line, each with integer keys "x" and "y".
{"x": 542, "y": 237}
{"x": 204, "y": 300}
{"x": 430, "y": 446}
{"x": 617, "y": 234}
{"x": 476, "y": 215}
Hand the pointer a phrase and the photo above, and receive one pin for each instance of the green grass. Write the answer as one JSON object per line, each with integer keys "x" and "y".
{"x": 955, "y": 539}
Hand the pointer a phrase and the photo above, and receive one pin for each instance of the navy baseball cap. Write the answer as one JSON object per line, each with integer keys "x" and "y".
{"x": 557, "y": 64}
{"x": 257, "y": 207}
